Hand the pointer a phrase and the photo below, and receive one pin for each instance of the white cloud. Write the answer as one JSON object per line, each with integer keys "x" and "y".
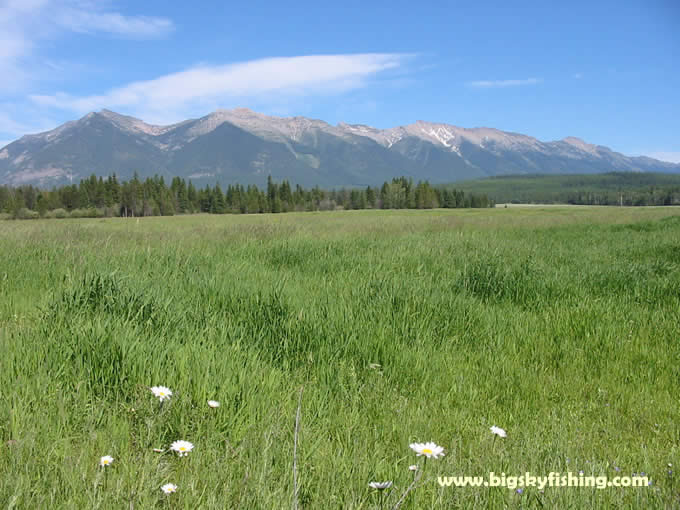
{"x": 670, "y": 156}
{"x": 503, "y": 83}
{"x": 26, "y": 24}
{"x": 173, "y": 96}
{"x": 9, "y": 125}
{"x": 91, "y": 21}
{"x": 33, "y": 120}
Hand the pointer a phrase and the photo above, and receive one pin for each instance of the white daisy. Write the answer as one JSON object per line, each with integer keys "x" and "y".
{"x": 413, "y": 467}
{"x": 182, "y": 447}
{"x": 169, "y": 488}
{"x": 498, "y": 431}
{"x": 427, "y": 449}
{"x": 381, "y": 486}
{"x": 161, "y": 392}
{"x": 106, "y": 460}
{"x": 213, "y": 403}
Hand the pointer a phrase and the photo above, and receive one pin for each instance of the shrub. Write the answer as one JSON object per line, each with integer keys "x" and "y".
{"x": 26, "y": 214}
{"x": 79, "y": 213}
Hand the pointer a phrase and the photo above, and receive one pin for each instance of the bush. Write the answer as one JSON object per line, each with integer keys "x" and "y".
{"x": 5, "y": 216}
{"x": 26, "y": 214}
{"x": 110, "y": 212}
{"x": 94, "y": 212}
{"x": 57, "y": 213}
{"x": 327, "y": 205}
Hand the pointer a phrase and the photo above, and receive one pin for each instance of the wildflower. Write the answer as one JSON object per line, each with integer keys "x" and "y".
{"x": 158, "y": 450}
{"x": 182, "y": 447}
{"x": 374, "y": 366}
{"x": 169, "y": 488}
{"x": 413, "y": 467}
{"x": 213, "y": 403}
{"x": 381, "y": 486}
{"x": 161, "y": 392}
{"x": 427, "y": 449}
{"x": 581, "y": 472}
{"x": 617, "y": 468}
{"x": 520, "y": 491}
{"x": 498, "y": 431}
{"x": 106, "y": 460}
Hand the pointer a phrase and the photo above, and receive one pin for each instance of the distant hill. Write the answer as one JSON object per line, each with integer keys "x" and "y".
{"x": 242, "y": 146}
{"x": 633, "y": 188}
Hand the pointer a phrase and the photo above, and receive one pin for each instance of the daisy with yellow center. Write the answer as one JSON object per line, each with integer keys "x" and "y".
{"x": 182, "y": 447}
{"x": 161, "y": 392}
{"x": 106, "y": 460}
{"x": 429, "y": 450}
{"x": 169, "y": 488}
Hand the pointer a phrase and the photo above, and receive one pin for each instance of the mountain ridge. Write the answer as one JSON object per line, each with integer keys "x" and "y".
{"x": 241, "y": 145}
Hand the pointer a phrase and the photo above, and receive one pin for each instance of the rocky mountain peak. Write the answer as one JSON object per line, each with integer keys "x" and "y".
{"x": 303, "y": 150}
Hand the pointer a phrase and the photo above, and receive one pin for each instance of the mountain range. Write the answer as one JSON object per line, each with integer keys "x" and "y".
{"x": 245, "y": 147}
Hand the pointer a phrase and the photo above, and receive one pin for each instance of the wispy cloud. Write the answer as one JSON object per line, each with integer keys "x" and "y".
{"x": 670, "y": 156}
{"x": 174, "y": 95}
{"x": 33, "y": 119}
{"x": 503, "y": 83}
{"x": 26, "y": 24}
{"x": 87, "y": 18}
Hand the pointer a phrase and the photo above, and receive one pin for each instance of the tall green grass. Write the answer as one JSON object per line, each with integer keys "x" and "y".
{"x": 559, "y": 325}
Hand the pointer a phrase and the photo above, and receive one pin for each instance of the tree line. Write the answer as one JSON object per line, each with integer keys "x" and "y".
{"x": 614, "y": 188}
{"x": 106, "y": 197}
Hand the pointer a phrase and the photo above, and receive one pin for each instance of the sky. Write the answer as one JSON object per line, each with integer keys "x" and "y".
{"x": 604, "y": 71}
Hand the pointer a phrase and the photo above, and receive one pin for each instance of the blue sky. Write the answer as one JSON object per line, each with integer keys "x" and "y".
{"x": 604, "y": 71}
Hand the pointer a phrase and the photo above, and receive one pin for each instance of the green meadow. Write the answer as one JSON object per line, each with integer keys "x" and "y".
{"x": 561, "y": 325}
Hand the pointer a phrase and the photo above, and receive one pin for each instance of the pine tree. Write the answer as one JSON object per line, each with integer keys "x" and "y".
{"x": 370, "y": 197}
{"x": 218, "y": 200}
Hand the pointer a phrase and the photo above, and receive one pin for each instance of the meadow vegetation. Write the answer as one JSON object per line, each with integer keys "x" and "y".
{"x": 559, "y": 325}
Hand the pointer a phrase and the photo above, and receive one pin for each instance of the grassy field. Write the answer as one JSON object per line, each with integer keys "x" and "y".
{"x": 560, "y": 325}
